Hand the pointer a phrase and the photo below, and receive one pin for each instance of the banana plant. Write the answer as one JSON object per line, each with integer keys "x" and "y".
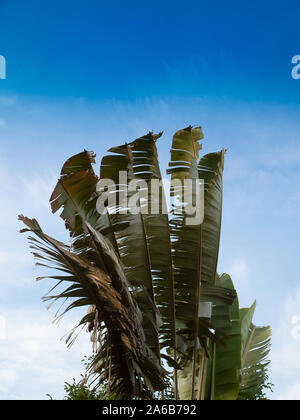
{"x": 149, "y": 278}
{"x": 239, "y": 370}
{"x": 255, "y": 349}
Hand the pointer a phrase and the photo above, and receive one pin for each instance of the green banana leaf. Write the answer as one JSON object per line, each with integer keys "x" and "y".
{"x": 255, "y": 349}
{"x": 226, "y": 361}
{"x": 196, "y": 247}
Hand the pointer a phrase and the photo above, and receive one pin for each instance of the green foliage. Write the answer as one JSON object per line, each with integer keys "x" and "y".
{"x": 238, "y": 370}
{"x": 84, "y": 389}
{"x": 80, "y": 391}
{"x": 256, "y": 343}
{"x": 226, "y": 360}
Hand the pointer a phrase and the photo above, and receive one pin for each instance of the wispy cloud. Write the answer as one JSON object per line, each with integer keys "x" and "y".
{"x": 292, "y": 392}
{"x": 8, "y": 100}
{"x": 34, "y": 360}
{"x": 286, "y": 348}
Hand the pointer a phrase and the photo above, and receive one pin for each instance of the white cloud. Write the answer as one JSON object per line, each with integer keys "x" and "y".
{"x": 239, "y": 268}
{"x": 34, "y": 359}
{"x": 8, "y": 100}
{"x": 27, "y": 195}
{"x": 7, "y": 378}
{"x": 37, "y": 189}
{"x": 286, "y": 349}
{"x": 14, "y": 258}
{"x": 292, "y": 393}
{"x": 240, "y": 271}
{"x": 3, "y": 334}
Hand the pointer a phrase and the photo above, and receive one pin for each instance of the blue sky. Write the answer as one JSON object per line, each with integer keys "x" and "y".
{"x": 91, "y": 75}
